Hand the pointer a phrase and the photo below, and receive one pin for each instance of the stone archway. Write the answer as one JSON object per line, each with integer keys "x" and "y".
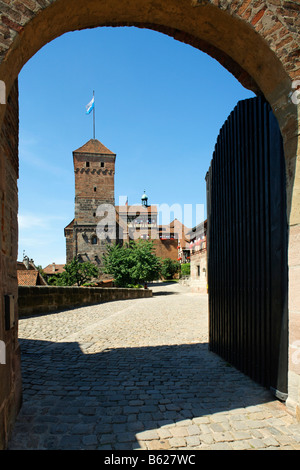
{"x": 256, "y": 40}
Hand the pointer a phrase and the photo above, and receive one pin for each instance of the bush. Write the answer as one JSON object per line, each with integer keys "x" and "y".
{"x": 185, "y": 269}
{"x": 169, "y": 268}
{"x": 132, "y": 264}
{"x": 75, "y": 273}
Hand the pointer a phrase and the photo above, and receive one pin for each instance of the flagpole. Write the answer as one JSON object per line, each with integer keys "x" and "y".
{"x": 94, "y": 115}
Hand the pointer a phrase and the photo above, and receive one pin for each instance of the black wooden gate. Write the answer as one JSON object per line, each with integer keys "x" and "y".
{"x": 247, "y": 246}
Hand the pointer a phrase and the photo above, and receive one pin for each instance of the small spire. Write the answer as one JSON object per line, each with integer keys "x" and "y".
{"x": 145, "y": 199}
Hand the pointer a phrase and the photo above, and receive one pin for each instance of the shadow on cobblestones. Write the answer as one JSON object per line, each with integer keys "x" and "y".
{"x": 110, "y": 399}
{"x": 164, "y": 293}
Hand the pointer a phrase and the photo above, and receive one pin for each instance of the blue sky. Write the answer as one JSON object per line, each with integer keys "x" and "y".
{"x": 159, "y": 106}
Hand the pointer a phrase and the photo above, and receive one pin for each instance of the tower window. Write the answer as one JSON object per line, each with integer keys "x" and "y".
{"x": 102, "y": 164}
{"x": 87, "y": 164}
{"x": 94, "y": 214}
{"x": 95, "y": 188}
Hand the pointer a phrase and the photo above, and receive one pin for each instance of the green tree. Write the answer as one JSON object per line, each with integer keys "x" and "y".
{"x": 118, "y": 263}
{"x": 40, "y": 270}
{"x": 42, "y": 273}
{"x": 132, "y": 264}
{"x": 169, "y": 268}
{"x": 75, "y": 273}
{"x": 185, "y": 269}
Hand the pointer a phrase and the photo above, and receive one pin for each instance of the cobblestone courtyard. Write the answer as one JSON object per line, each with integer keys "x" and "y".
{"x": 137, "y": 374}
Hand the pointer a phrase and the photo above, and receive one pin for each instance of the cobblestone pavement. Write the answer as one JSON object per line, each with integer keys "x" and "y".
{"x": 137, "y": 374}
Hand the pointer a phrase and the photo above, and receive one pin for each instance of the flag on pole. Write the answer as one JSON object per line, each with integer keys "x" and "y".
{"x": 90, "y": 106}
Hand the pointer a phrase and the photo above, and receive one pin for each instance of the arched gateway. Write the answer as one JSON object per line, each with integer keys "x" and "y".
{"x": 256, "y": 40}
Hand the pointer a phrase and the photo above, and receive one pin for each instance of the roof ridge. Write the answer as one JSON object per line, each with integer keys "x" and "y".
{"x": 94, "y": 146}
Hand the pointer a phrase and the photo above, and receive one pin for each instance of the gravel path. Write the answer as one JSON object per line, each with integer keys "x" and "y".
{"x": 137, "y": 374}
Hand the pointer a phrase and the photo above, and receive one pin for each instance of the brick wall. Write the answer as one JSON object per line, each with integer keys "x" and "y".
{"x": 94, "y": 185}
{"x": 275, "y": 20}
{"x": 10, "y": 373}
{"x": 166, "y": 248}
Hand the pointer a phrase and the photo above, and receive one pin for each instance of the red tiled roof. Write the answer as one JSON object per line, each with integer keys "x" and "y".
{"x": 71, "y": 224}
{"x": 94, "y": 146}
{"x": 29, "y": 278}
{"x": 21, "y": 266}
{"x": 54, "y": 268}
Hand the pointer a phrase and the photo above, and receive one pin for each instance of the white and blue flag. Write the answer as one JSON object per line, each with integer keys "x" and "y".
{"x": 89, "y": 107}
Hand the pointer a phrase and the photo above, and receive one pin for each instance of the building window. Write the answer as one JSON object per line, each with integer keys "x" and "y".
{"x": 94, "y": 240}
{"x": 102, "y": 164}
{"x": 198, "y": 271}
{"x": 94, "y": 214}
{"x": 95, "y": 188}
{"x": 87, "y": 164}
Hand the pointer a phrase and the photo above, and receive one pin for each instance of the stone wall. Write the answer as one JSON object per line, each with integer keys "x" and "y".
{"x": 45, "y": 299}
{"x": 293, "y": 401}
{"x": 198, "y": 274}
{"x": 93, "y": 185}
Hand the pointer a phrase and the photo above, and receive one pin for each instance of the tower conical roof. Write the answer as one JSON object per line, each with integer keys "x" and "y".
{"x": 94, "y": 146}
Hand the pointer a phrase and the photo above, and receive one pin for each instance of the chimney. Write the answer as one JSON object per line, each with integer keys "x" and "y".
{"x": 53, "y": 267}
{"x": 26, "y": 262}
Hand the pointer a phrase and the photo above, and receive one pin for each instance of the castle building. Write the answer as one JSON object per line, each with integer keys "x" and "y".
{"x": 137, "y": 221}
{"x": 198, "y": 258}
{"x": 97, "y": 221}
{"x": 94, "y": 170}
